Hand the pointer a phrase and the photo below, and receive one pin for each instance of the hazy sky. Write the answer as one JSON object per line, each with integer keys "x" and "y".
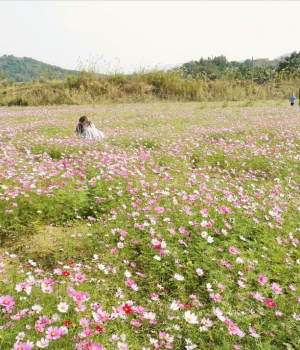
{"x": 128, "y": 35}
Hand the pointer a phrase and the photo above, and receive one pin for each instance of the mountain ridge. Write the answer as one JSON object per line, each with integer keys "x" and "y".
{"x": 22, "y": 69}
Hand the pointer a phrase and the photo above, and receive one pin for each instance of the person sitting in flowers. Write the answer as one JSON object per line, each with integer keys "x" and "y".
{"x": 87, "y": 130}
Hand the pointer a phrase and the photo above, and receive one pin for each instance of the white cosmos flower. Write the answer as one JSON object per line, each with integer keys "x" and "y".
{"x": 127, "y": 274}
{"x": 37, "y": 308}
{"x": 43, "y": 343}
{"x": 20, "y": 336}
{"x": 239, "y": 260}
{"x": 203, "y": 329}
{"x": 178, "y": 277}
{"x": 190, "y": 317}
{"x": 135, "y": 288}
{"x": 55, "y": 318}
{"x": 31, "y": 262}
{"x": 149, "y": 315}
{"x": 62, "y": 307}
{"x": 163, "y": 244}
{"x": 224, "y": 232}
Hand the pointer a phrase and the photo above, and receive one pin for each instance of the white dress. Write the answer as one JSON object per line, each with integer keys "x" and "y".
{"x": 92, "y": 133}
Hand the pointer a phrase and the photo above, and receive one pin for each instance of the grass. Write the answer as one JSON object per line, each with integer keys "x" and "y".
{"x": 88, "y": 88}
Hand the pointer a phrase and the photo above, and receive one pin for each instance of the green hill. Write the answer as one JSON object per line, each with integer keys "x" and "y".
{"x": 26, "y": 69}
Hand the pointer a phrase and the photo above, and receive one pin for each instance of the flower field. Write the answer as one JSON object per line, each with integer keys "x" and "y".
{"x": 180, "y": 231}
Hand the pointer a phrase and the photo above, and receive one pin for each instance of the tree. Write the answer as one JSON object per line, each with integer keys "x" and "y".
{"x": 290, "y": 66}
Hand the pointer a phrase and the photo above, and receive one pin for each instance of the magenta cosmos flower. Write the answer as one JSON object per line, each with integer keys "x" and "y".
{"x": 270, "y": 303}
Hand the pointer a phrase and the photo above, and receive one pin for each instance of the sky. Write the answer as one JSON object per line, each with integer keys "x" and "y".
{"x": 126, "y": 36}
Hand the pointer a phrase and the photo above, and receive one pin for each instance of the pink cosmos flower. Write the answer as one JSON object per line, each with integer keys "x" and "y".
{"x": 233, "y": 250}
{"x": 39, "y": 327}
{"x": 253, "y": 333}
{"x": 258, "y": 296}
{"x": 53, "y": 333}
{"x": 262, "y": 279}
{"x": 122, "y": 346}
{"x": 48, "y": 281}
{"x": 216, "y": 297}
{"x": 88, "y": 332}
{"x": 118, "y": 312}
{"x": 276, "y": 288}
{"x": 199, "y": 271}
{"x": 95, "y": 346}
{"x": 234, "y": 329}
{"x": 7, "y": 301}
{"x": 135, "y": 323}
{"x": 43, "y": 320}
{"x": 80, "y": 277}
{"x": 47, "y": 289}
{"x": 84, "y": 322}
{"x": 219, "y": 313}
{"x": 23, "y": 286}
{"x": 161, "y": 335}
{"x": 221, "y": 286}
{"x": 139, "y": 309}
{"x": 159, "y": 210}
{"x": 22, "y": 346}
{"x": 292, "y": 287}
{"x": 296, "y": 317}
{"x": 207, "y": 322}
{"x": 129, "y": 282}
{"x": 80, "y": 308}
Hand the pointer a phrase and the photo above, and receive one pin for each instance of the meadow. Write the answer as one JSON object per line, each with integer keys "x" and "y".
{"x": 180, "y": 231}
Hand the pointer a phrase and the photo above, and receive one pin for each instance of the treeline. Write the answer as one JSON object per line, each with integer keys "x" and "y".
{"x": 219, "y": 68}
{"x": 14, "y": 69}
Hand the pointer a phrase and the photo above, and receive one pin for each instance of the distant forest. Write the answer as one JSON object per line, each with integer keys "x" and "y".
{"x": 14, "y": 69}
{"x": 219, "y": 68}
{"x": 27, "y": 69}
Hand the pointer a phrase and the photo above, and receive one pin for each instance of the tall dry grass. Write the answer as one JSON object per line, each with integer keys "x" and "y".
{"x": 90, "y": 88}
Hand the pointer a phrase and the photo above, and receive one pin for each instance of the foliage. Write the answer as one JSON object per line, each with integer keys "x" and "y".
{"x": 290, "y": 66}
{"x": 26, "y": 69}
{"x": 211, "y": 69}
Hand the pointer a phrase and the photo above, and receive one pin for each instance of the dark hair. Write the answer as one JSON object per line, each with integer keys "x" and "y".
{"x": 79, "y": 127}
